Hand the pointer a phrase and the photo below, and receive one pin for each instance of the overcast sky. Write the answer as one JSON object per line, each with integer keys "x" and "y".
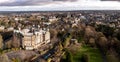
{"x": 50, "y": 5}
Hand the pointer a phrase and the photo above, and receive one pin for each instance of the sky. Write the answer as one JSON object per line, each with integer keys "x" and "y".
{"x": 58, "y": 5}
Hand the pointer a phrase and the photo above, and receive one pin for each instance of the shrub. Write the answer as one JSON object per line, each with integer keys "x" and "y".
{"x": 85, "y": 58}
{"x": 16, "y": 60}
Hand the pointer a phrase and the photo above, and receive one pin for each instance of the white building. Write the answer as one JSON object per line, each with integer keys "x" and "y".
{"x": 53, "y": 19}
{"x": 2, "y": 28}
{"x": 10, "y": 28}
{"x": 33, "y": 40}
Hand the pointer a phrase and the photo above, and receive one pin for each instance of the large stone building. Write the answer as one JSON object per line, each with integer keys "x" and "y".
{"x": 32, "y": 39}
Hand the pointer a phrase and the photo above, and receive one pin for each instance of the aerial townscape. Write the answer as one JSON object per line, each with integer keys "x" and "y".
{"x": 60, "y": 36}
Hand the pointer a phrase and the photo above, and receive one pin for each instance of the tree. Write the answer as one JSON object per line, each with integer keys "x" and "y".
{"x": 16, "y": 40}
{"x": 118, "y": 35}
{"x": 108, "y": 31}
{"x": 69, "y": 57}
{"x": 103, "y": 43}
{"x": 89, "y": 32}
{"x": 92, "y": 42}
{"x": 4, "y": 58}
{"x": 67, "y": 41}
{"x": 100, "y": 34}
{"x": 53, "y": 33}
{"x": 8, "y": 44}
{"x": 1, "y": 42}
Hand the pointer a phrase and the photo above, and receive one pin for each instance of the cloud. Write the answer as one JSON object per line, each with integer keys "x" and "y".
{"x": 29, "y": 2}
{"x": 20, "y": 2}
{"x": 110, "y": 0}
{"x": 2, "y": 1}
{"x": 50, "y": 5}
{"x": 39, "y": 2}
{"x": 6, "y": 1}
{"x": 64, "y": 0}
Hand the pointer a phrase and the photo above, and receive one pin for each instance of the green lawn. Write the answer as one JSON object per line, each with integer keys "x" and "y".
{"x": 94, "y": 54}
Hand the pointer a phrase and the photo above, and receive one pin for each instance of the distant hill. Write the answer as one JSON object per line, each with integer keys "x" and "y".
{"x": 9, "y": 12}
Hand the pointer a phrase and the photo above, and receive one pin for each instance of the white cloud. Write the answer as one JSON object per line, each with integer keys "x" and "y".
{"x": 9, "y": 1}
{"x": 76, "y": 5}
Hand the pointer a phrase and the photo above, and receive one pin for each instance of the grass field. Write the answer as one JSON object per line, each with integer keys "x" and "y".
{"x": 94, "y": 54}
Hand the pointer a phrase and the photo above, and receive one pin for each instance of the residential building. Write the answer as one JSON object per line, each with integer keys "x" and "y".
{"x": 33, "y": 39}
